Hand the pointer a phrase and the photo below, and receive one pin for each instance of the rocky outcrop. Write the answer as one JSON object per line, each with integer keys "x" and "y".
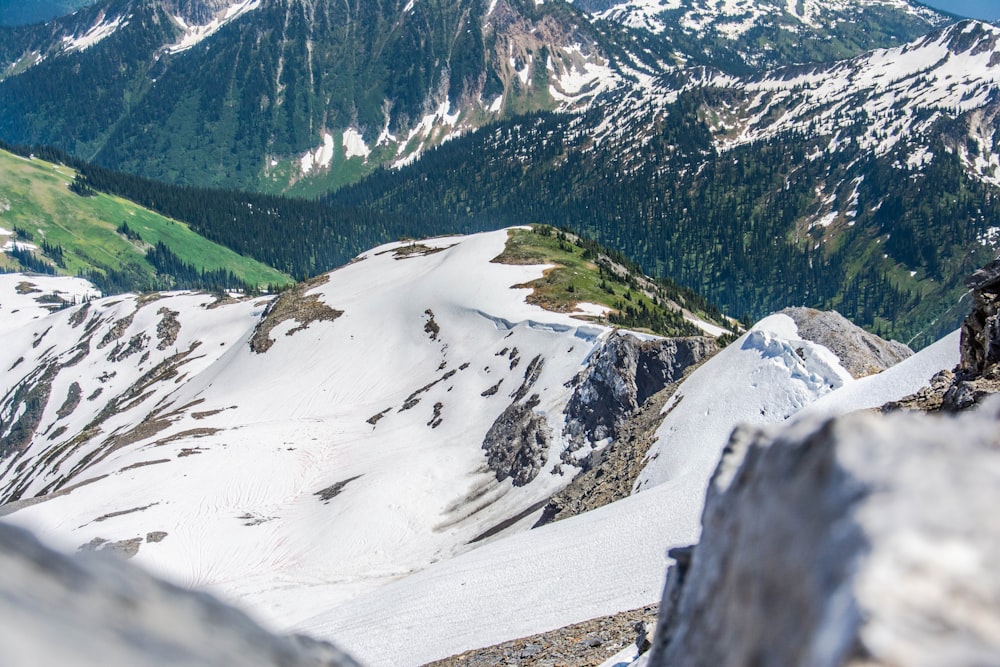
{"x": 860, "y": 352}
{"x": 578, "y": 645}
{"x": 621, "y": 376}
{"x": 293, "y": 304}
{"x": 611, "y": 472}
{"x": 517, "y": 444}
{"x": 981, "y": 329}
{"x": 620, "y": 396}
{"x": 99, "y": 611}
{"x": 978, "y": 373}
{"x": 867, "y": 539}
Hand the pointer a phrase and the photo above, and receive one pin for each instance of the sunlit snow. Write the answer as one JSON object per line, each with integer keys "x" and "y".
{"x": 98, "y": 32}
{"x": 195, "y": 34}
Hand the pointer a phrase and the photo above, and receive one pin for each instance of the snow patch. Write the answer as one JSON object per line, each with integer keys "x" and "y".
{"x": 354, "y": 144}
{"x": 97, "y": 33}
{"x": 195, "y": 34}
{"x": 919, "y": 158}
{"x": 320, "y": 157}
{"x": 770, "y": 374}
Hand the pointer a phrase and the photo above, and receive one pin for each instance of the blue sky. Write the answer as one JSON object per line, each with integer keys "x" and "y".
{"x": 978, "y": 9}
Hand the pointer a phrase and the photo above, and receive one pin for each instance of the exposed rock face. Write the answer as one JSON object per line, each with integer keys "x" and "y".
{"x": 611, "y": 472}
{"x": 102, "y": 612}
{"x": 517, "y": 443}
{"x": 981, "y": 329}
{"x": 978, "y": 373}
{"x": 621, "y": 376}
{"x": 868, "y": 539}
{"x": 293, "y": 304}
{"x": 620, "y": 396}
{"x": 860, "y": 352}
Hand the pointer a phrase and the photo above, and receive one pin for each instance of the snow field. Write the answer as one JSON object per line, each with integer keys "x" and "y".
{"x": 232, "y": 490}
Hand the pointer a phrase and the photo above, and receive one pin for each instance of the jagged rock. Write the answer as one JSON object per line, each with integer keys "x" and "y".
{"x": 102, "y": 612}
{"x": 621, "y": 376}
{"x": 861, "y": 353}
{"x": 981, "y": 329}
{"x": 611, "y": 472}
{"x": 867, "y": 539}
{"x": 929, "y": 398}
{"x": 978, "y": 372}
{"x": 517, "y": 443}
{"x": 620, "y": 396}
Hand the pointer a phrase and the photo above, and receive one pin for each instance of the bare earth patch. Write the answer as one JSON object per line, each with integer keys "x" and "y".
{"x": 580, "y": 645}
{"x": 293, "y": 304}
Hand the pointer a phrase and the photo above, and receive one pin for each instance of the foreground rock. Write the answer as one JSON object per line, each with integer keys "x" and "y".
{"x": 867, "y": 539}
{"x": 100, "y": 611}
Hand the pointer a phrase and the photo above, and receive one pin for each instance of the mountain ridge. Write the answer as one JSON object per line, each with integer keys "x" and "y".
{"x": 831, "y": 185}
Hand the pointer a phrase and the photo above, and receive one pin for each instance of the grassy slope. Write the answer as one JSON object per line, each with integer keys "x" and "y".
{"x": 34, "y": 195}
{"x": 577, "y": 278}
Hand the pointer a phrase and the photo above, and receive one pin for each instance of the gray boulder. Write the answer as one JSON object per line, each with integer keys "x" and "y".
{"x": 863, "y": 540}
{"x": 99, "y": 611}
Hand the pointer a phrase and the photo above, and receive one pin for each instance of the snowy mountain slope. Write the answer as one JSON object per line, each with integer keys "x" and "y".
{"x": 906, "y": 378}
{"x": 875, "y": 101}
{"x": 27, "y": 298}
{"x": 327, "y": 458}
{"x": 770, "y": 374}
{"x": 733, "y": 18}
{"x": 319, "y": 458}
{"x": 738, "y": 36}
{"x": 902, "y": 92}
{"x": 609, "y": 559}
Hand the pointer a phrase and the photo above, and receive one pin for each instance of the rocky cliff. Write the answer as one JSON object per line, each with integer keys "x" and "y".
{"x": 866, "y": 540}
{"x": 620, "y": 397}
{"x": 978, "y": 373}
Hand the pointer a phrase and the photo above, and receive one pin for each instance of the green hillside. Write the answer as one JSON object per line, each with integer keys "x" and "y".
{"x": 107, "y": 237}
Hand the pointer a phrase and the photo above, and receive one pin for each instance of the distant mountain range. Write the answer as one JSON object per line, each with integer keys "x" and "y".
{"x": 866, "y": 185}
{"x": 753, "y": 151}
{"x": 308, "y": 95}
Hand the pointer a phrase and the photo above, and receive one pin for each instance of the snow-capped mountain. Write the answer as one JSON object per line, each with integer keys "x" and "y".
{"x": 365, "y": 424}
{"x": 373, "y": 444}
{"x": 312, "y": 94}
{"x": 743, "y": 35}
{"x": 319, "y": 90}
{"x": 878, "y": 170}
